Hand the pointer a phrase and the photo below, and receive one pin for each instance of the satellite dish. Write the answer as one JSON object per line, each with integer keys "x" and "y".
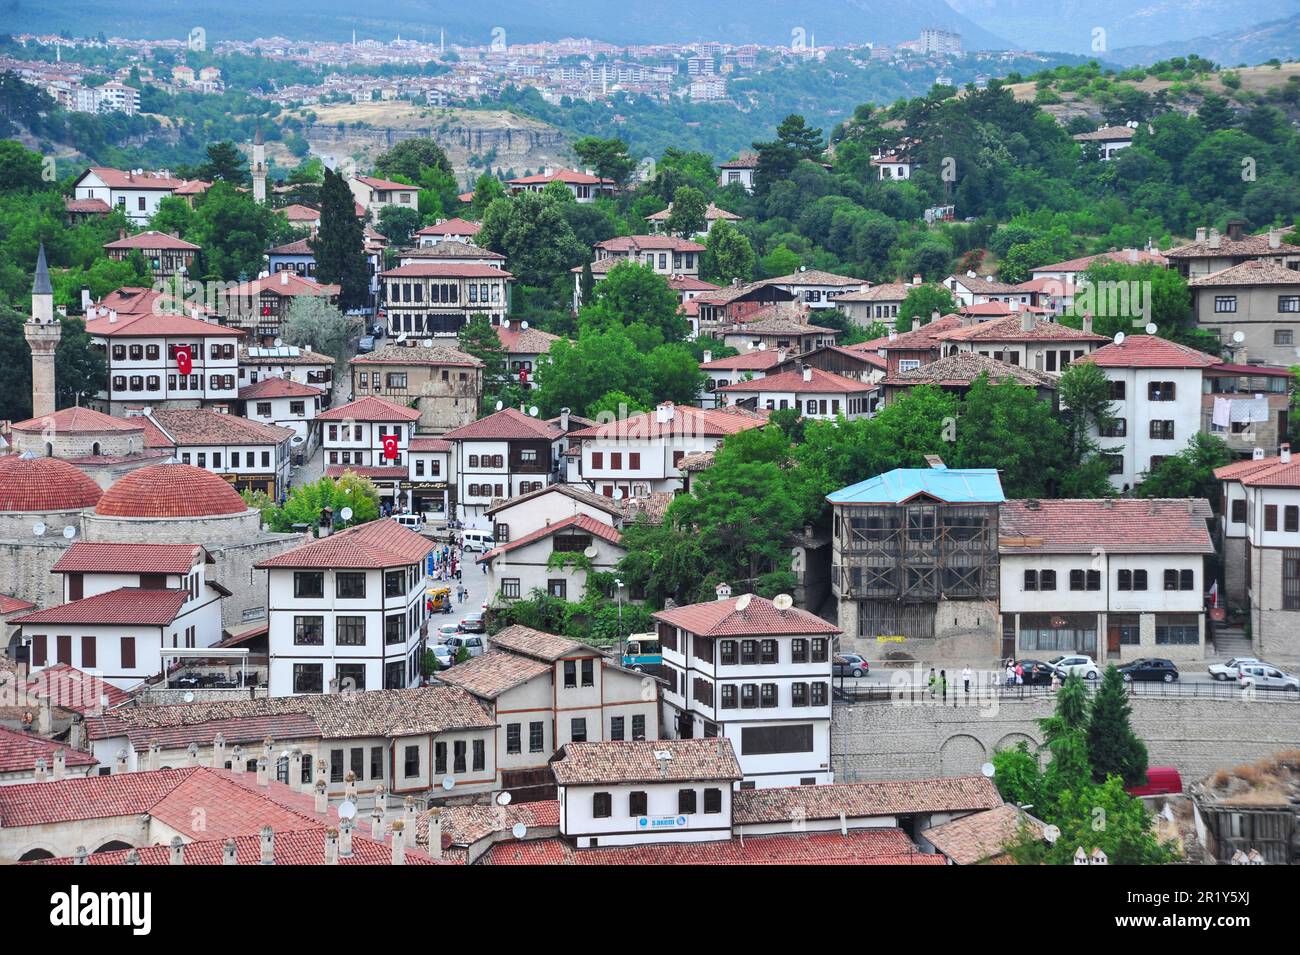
{"x": 988, "y": 770}
{"x": 743, "y": 602}
{"x": 1151, "y": 328}
{"x": 39, "y": 529}
{"x": 448, "y": 782}
{"x": 591, "y": 551}
{"x": 762, "y": 346}
{"x": 523, "y": 325}
{"x": 347, "y": 809}
{"x": 500, "y": 405}
{"x": 519, "y": 830}
{"x": 783, "y": 602}
{"x": 1119, "y": 338}
{"x": 503, "y": 799}
{"x": 505, "y": 323}
{"x": 427, "y": 343}
{"x": 618, "y": 494}
{"x": 297, "y": 440}
{"x": 189, "y": 697}
{"x": 1238, "y": 337}
{"x": 69, "y": 532}
{"x": 346, "y": 513}
{"x": 279, "y": 342}
{"x": 1051, "y": 833}
{"x": 532, "y": 412}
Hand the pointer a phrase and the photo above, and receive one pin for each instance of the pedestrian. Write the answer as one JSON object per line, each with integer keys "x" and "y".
{"x": 484, "y": 566}
{"x": 1020, "y": 675}
{"x": 965, "y": 679}
{"x": 1011, "y": 674}
{"x": 1056, "y": 681}
{"x": 932, "y": 682}
{"x": 943, "y": 684}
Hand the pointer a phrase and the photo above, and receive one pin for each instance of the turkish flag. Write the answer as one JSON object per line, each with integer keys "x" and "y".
{"x": 184, "y": 360}
{"x": 523, "y": 375}
{"x": 390, "y": 447}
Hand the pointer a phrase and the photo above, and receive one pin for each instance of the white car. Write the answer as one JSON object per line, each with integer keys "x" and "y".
{"x": 1228, "y": 671}
{"x": 1267, "y": 676}
{"x": 1078, "y": 663}
{"x": 472, "y": 642}
{"x": 444, "y": 654}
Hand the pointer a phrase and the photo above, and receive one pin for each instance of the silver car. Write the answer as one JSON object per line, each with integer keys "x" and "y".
{"x": 1228, "y": 671}
{"x": 1266, "y": 676}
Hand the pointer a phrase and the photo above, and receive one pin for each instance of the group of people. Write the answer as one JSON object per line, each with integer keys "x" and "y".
{"x": 940, "y": 683}
{"x": 446, "y": 562}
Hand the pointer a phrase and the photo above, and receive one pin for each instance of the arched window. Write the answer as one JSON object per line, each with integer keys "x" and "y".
{"x": 49, "y": 450}
{"x": 32, "y": 855}
{"x": 94, "y": 449}
{"x": 113, "y": 845}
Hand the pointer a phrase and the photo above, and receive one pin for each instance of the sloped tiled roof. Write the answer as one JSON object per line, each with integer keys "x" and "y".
{"x": 580, "y": 522}
{"x": 68, "y": 688}
{"x": 983, "y": 835}
{"x": 820, "y": 382}
{"x": 465, "y": 825}
{"x": 436, "y": 354}
{"x": 1248, "y": 245}
{"x": 152, "y": 240}
{"x": 508, "y": 424}
{"x": 755, "y": 359}
{"x": 1254, "y": 272}
{"x": 77, "y": 420}
{"x": 377, "y": 544}
{"x": 126, "y": 605}
{"x": 490, "y": 674}
{"x": 1118, "y": 525}
{"x": 964, "y": 367}
{"x": 275, "y": 387}
{"x": 1120, "y": 256}
{"x": 638, "y": 761}
{"x": 446, "y": 270}
{"x": 1011, "y": 329}
{"x": 567, "y": 490}
{"x": 19, "y": 752}
{"x": 547, "y": 647}
{"x": 922, "y": 336}
{"x": 455, "y": 226}
{"x": 198, "y": 426}
{"x": 887, "y": 292}
{"x": 1105, "y": 134}
{"x": 170, "y": 490}
{"x": 722, "y": 618}
{"x": 79, "y": 799}
{"x": 1266, "y": 472}
{"x": 1149, "y": 351}
{"x": 686, "y": 421}
{"x": 369, "y": 408}
{"x": 858, "y": 800}
{"x": 95, "y": 557}
{"x": 525, "y": 341}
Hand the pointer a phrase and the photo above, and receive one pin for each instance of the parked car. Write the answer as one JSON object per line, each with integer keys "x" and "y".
{"x": 446, "y": 632}
{"x": 850, "y": 664}
{"x": 477, "y": 541}
{"x": 1036, "y": 672}
{"x": 471, "y": 642}
{"x": 366, "y": 344}
{"x": 444, "y": 655}
{"x": 473, "y": 623}
{"x": 1160, "y": 780}
{"x": 1228, "y": 671}
{"x": 414, "y": 522}
{"x": 1078, "y": 663}
{"x": 1149, "y": 668}
{"x": 1267, "y": 676}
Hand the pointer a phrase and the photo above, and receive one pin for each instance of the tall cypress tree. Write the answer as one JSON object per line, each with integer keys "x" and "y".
{"x": 1114, "y": 748}
{"x": 339, "y": 245}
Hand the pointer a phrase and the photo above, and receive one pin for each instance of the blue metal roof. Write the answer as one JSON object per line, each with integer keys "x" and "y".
{"x": 950, "y": 485}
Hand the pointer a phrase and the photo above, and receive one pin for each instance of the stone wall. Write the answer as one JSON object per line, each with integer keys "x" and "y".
{"x": 1197, "y": 736}
{"x": 1275, "y": 632}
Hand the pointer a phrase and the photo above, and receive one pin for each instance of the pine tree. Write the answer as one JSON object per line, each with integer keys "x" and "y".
{"x": 1114, "y": 747}
{"x": 339, "y": 245}
{"x": 587, "y": 284}
{"x": 478, "y": 337}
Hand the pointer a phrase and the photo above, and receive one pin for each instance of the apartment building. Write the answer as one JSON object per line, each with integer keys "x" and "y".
{"x": 441, "y": 382}
{"x": 251, "y": 455}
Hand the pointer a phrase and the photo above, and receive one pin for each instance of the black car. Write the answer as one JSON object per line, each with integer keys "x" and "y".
{"x": 1036, "y": 672}
{"x": 1150, "y": 668}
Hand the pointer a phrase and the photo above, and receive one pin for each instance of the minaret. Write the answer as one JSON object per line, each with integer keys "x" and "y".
{"x": 259, "y": 168}
{"x": 43, "y": 332}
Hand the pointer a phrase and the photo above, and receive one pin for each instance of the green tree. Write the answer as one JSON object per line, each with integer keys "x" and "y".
{"x": 632, "y": 293}
{"x": 20, "y": 168}
{"x": 780, "y": 261}
{"x": 233, "y": 231}
{"x": 1113, "y": 748}
{"x": 537, "y": 240}
{"x": 1005, "y": 425}
{"x": 608, "y": 157}
{"x": 306, "y": 503}
{"x": 687, "y": 218}
{"x": 1190, "y": 472}
{"x": 478, "y": 337}
{"x": 409, "y": 157}
{"x": 664, "y": 561}
{"x": 398, "y": 223}
{"x": 487, "y": 190}
{"x": 728, "y": 255}
{"x": 313, "y": 321}
{"x": 921, "y": 302}
{"x": 225, "y": 163}
{"x": 339, "y": 245}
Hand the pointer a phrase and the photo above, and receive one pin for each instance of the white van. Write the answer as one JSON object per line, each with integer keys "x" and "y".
{"x": 414, "y": 522}
{"x": 477, "y": 541}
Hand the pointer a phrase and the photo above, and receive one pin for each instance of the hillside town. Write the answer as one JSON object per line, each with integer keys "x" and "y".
{"x": 633, "y": 543}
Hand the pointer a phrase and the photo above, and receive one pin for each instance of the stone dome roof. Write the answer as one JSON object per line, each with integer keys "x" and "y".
{"x": 170, "y": 490}
{"x": 42, "y": 484}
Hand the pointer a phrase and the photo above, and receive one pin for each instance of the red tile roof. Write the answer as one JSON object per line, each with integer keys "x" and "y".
{"x": 170, "y": 490}
{"x": 1254, "y": 272}
{"x": 1122, "y": 256}
{"x": 242, "y": 730}
{"x": 721, "y": 618}
{"x": 80, "y": 799}
{"x": 860, "y": 800}
{"x": 1117, "y": 525}
{"x": 508, "y": 424}
{"x": 465, "y": 825}
{"x": 126, "y": 605}
{"x": 370, "y": 408}
{"x": 455, "y": 226}
{"x": 285, "y": 283}
{"x": 547, "y": 647}
{"x": 10, "y": 604}
{"x": 416, "y": 354}
{"x": 92, "y": 557}
{"x": 863, "y": 847}
{"x": 375, "y": 472}
{"x": 814, "y": 277}
{"x": 160, "y": 326}
{"x": 757, "y": 359}
{"x": 151, "y": 240}
{"x": 277, "y": 388}
{"x": 446, "y": 270}
{"x": 78, "y": 420}
{"x": 686, "y": 421}
{"x": 821, "y": 382}
{"x": 428, "y": 444}
{"x": 384, "y": 185}
{"x": 68, "y": 688}
{"x": 1267, "y": 472}
{"x": 86, "y": 206}
{"x": 125, "y": 179}
{"x": 922, "y": 336}
{"x": 377, "y": 544}
{"x": 568, "y": 176}
{"x": 525, "y": 341}
{"x": 305, "y": 847}
{"x": 297, "y": 212}
{"x": 580, "y": 522}
{"x": 1149, "y": 351}
{"x": 189, "y": 427}
{"x": 642, "y": 761}
{"x": 19, "y": 752}
{"x": 42, "y": 485}
{"x": 982, "y": 835}
{"x": 296, "y": 247}
{"x": 490, "y": 674}
{"x": 1011, "y": 329}
{"x": 637, "y": 243}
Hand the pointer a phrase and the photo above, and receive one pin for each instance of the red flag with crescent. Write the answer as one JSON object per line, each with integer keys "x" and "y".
{"x": 184, "y": 359}
{"x": 390, "y": 447}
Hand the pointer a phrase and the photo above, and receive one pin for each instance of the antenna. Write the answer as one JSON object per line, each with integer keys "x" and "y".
{"x": 618, "y": 494}
{"x": 783, "y": 602}
{"x": 743, "y": 603}
{"x": 279, "y": 342}
{"x": 189, "y": 696}
{"x": 500, "y": 405}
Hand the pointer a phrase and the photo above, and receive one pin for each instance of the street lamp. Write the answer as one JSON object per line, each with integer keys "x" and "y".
{"x": 618, "y": 592}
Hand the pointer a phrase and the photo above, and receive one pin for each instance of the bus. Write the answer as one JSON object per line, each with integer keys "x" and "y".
{"x": 642, "y": 650}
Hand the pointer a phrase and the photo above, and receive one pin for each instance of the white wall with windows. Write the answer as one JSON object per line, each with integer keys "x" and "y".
{"x": 620, "y": 814}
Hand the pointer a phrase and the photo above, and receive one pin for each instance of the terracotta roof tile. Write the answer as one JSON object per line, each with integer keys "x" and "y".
{"x": 68, "y": 688}
{"x": 77, "y": 420}
{"x": 508, "y": 424}
{"x": 170, "y": 490}
{"x": 638, "y": 761}
{"x": 539, "y": 645}
{"x": 859, "y": 800}
{"x": 756, "y": 359}
{"x": 377, "y": 544}
{"x": 1254, "y": 272}
{"x": 198, "y": 427}
{"x": 466, "y": 825}
{"x": 1149, "y": 351}
{"x": 686, "y": 422}
{"x": 721, "y": 618}
{"x": 126, "y": 605}
{"x": 93, "y": 557}
{"x": 490, "y": 674}
{"x": 1251, "y": 245}
{"x": 1266, "y": 472}
{"x": 822, "y": 382}
{"x": 42, "y": 485}
{"x": 276, "y": 387}
{"x": 567, "y": 490}
{"x": 964, "y": 367}
{"x": 454, "y": 226}
{"x": 19, "y": 752}
{"x": 983, "y": 835}
{"x": 446, "y": 270}
{"x": 1120, "y": 256}
{"x": 415, "y": 354}
{"x": 1117, "y": 525}
{"x": 151, "y": 240}
{"x": 581, "y": 522}
{"x": 369, "y": 408}
{"x": 1010, "y": 329}
{"x": 80, "y": 799}
{"x": 303, "y": 847}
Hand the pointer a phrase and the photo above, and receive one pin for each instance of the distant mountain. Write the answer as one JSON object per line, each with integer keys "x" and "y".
{"x": 1259, "y": 44}
{"x": 640, "y": 21}
{"x": 1068, "y": 25}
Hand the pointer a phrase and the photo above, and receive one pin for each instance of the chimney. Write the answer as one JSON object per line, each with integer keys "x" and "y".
{"x": 916, "y": 279}
{"x": 1215, "y": 241}
{"x": 410, "y": 816}
{"x": 1087, "y": 323}
{"x": 40, "y": 769}
{"x": 435, "y": 832}
{"x": 155, "y": 752}
{"x": 807, "y": 372}
{"x": 177, "y": 855}
{"x": 1284, "y": 453}
{"x": 81, "y": 856}
{"x": 664, "y": 412}
{"x": 76, "y": 732}
{"x": 399, "y": 842}
{"x": 237, "y": 759}
{"x": 708, "y": 356}
{"x": 218, "y": 752}
{"x": 377, "y": 823}
{"x": 132, "y": 857}
{"x": 192, "y": 754}
{"x": 723, "y": 591}
{"x": 322, "y": 804}
{"x": 295, "y": 768}
{"x": 350, "y": 786}
{"x": 263, "y": 777}
{"x": 1133, "y": 256}
{"x": 112, "y": 316}
{"x": 1274, "y": 239}
{"x": 345, "y": 839}
{"x": 121, "y": 234}
{"x": 284, "y": 277}
{"x": 564, "y": 412}
{"x": 1200, "y": 233}
{"x": 1236, "y": 229}
{"x": 1027, "y": 321}
{"x": 85, "y": 300}
{"x": 268, "y": 846}
{"x": 120, "y": 766}
{"x": 331, "y": 846}
{"x": 61, "y": 759}
{"x": 1013, "y": 306}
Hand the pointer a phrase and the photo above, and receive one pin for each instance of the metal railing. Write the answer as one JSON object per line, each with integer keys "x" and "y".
{"x": 850, "y": 692}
